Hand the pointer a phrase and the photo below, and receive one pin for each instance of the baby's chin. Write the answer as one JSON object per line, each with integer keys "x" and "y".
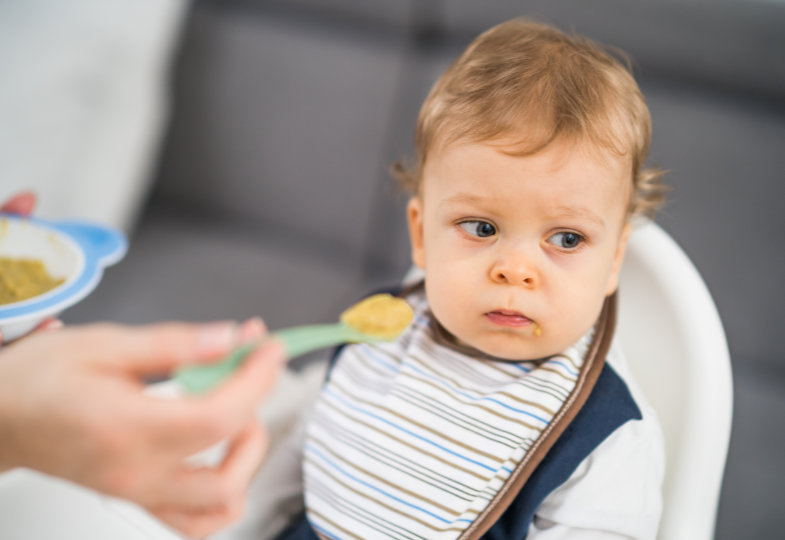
{"x": 514, "y": 348}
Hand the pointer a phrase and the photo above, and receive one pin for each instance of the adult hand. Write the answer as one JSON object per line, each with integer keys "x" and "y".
{"x": 72, "y": 404}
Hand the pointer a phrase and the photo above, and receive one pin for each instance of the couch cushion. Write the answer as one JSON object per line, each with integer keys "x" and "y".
{"x": 282, "y": 120}
{"x": 736, "y": 44}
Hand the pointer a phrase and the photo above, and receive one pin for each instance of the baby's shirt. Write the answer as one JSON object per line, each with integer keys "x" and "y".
{"x": 616, "y": 491}
{"x": 415, "y": 439}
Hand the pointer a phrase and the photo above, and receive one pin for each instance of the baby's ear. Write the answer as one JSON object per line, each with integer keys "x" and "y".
{"x": 618, "y": 259}
{"x": 414, "y": 215}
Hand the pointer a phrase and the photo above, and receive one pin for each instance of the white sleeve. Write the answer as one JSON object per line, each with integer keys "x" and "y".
{"x": 616, "y": 492}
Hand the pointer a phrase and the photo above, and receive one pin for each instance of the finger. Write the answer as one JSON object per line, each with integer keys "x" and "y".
{"x": 159, "y": 348}
{"x": 21, "y": 203}
{"x": 252, "y": 330}
{"x": 211, "y": 487}
{"x": 194, "y": 422}
{"x": 47, "y": 324}
{"x": 50, "y": 324}
{"x": 244, "y": 458}
{"x": 199, "y": 524}
{"x": 252, "y": 382}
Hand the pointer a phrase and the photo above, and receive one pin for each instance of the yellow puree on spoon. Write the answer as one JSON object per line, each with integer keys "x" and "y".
{"x": 381, "y": 317}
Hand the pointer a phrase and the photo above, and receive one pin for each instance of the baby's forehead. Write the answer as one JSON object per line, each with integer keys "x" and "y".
{"x": 550, "y": 158}
{"x": 494, "y": 171}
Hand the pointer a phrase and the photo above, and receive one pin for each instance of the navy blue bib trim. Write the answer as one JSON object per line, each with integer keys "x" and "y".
{"x": 610, "y": 405}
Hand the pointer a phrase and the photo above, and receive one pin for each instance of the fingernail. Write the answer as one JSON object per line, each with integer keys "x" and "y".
{"x": 53, "y": 324}
{"x": 252, "y": 330}
{"x": 216, "y": 338}
{"x": 261, "y": 324}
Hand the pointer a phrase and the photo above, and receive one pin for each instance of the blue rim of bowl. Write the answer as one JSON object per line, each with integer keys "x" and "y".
{"x": 100, "y": 246}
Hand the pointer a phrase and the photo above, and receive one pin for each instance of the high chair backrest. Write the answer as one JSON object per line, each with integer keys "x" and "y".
{"x": 673, "y": 338}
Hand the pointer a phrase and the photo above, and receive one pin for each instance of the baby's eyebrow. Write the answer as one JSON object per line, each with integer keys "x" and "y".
{"x": 466, "y": 198}
{"x": 578, "y": 212}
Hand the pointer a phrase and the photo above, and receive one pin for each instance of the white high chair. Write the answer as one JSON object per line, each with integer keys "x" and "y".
{"x": 673, "y": 338}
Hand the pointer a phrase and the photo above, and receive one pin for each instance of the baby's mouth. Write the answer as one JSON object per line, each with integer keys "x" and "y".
{"x": 505, "y": 317}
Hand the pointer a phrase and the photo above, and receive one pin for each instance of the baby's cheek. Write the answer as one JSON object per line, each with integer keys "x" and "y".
{"x": 445, "y": 307}
{"x": 585, "y": 315}
{"x": 439, "y": 303}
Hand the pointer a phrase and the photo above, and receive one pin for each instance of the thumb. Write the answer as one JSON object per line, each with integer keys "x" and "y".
{"x": 21, "y": 203}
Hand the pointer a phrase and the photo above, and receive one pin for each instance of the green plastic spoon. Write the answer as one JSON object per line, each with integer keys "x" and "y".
{"x": 380, "y": 317}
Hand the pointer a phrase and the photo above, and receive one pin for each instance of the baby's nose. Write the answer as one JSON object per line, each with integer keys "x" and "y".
{"x": 516, "y": 270}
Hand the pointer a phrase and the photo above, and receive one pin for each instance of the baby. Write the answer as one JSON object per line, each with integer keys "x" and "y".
{"x": 505, "y": 410}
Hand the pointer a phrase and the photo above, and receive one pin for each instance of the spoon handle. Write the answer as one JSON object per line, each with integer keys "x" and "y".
{"x": 297, "y": 341}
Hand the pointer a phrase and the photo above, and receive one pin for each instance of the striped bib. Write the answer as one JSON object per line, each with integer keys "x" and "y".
{"x": 413, "y": 439}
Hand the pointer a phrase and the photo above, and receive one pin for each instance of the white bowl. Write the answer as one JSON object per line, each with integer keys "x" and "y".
{"x": 74, "y": 251}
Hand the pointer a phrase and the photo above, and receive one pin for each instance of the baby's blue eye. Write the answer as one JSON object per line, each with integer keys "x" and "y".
{"x": 566, "y": 240}
{"x": 483, "y": 229}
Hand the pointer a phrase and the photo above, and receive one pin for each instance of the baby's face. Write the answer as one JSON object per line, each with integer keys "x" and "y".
{"x": 520, "y": 252}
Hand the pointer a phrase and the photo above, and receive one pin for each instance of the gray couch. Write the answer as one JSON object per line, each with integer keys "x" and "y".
{"x": 272, "y": 195}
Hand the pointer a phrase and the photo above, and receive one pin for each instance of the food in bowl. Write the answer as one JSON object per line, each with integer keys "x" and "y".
{"x": 73, "y": 255}
{"x": 21, "y": 279}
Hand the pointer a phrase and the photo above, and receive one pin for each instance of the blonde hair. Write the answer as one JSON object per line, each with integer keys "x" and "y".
{"x": 528, "y": 84}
